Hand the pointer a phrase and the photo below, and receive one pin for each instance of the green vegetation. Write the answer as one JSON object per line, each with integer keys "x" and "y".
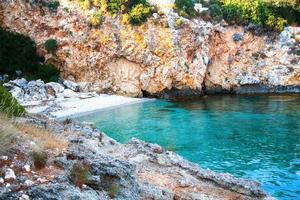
{"x": 185, "y": 8}
{"x": 139, "y": 14}
{"x": 137, "y": 11}
{"x": 79, "y": 174}
{"x": 273, "y": 14}
{"x": 113, "y": 190}
{"x": 39, "y": 159}
{"x": 9, "y": 105}
{"x": 96, "y": 19}
{"x": 178, "y": 22}
{"x": 53, "y": 5}
{"x": 51, "y": 46}
{"x": 18, "y": 52}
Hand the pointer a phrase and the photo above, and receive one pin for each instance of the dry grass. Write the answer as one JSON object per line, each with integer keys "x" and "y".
{"x": 7, "y": 133}
{"x": 43, "y": 136}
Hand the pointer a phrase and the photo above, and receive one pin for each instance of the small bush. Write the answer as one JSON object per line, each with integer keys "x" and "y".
{"x": 53, "y": 6}
{"x": 113, "y": 190}
{"x": 67, "y": 121}
{"x": 79, "y": 174}
{"x": 39, "y": 158}
{"x": 96, "y": 19}
{"x": 178, "y": 22}
{"x": 139, "y": 14}
{"x": 215, "y": 11}
{"x": 298, "y": 52}
{"x": 114, "y": 6}
{"x": 51, "y": 45}
{"x": 9, "y": 105}
{"x": 185, "y": 8}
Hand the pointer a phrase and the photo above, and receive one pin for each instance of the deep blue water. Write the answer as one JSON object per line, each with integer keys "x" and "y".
{"x": 255, "y": 137}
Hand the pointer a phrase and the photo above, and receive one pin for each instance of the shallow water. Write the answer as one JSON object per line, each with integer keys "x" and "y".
{"x": 255, "y": 137}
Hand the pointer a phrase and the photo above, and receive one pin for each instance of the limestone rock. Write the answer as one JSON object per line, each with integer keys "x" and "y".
{"x": 71, "y": 85}
{"x": 9, "y": 174}
{"x": 67, "y": 93}
{"x": 27, "y": 168}
{"x": 35, "y": 91}
{"x": 54, "y": 89}
{"x": 18, "y": 93}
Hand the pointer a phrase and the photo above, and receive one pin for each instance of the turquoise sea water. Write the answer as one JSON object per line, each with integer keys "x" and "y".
{"x": 254, "y": 137}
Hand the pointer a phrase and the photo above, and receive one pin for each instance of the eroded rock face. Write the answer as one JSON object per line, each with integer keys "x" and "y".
{"x": 158, "y": 58}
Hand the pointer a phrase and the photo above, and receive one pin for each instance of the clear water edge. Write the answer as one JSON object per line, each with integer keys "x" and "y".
{"x": 254, "y": 137}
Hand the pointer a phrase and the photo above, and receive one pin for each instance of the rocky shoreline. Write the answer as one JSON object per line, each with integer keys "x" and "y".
{"x": 63, "y": 99}
{"x": 137, "y": 170}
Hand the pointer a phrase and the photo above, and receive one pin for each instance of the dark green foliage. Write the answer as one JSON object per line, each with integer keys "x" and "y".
{"x": 18, "y": 52}
{"x": 9, "y": 105}
{"x": 215, "y": 11}
{"x": 185, "y": 7}
{"x": 79, "y": 174}
{"x": 39, "y": 159}
{"x": 53, "y": 5}
{"x": 51, "y": 45}
{"x": 47, "y": 73}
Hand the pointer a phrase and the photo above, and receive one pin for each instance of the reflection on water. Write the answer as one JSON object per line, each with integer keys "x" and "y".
{"x": 256, "y": 137}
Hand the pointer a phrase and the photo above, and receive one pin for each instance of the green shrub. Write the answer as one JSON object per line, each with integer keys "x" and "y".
{"x": 139, "y": 14}
{"x": 96, "y": 19}
{"x": 185, "y": 7}
{"x": 46, "y": 72}
{"x": 114, "y": 6}
{"x": 113, "y": 191}
{"x": 215, "y": 11}
{"x": 39, "y": 158}
{"x": 53, "y": 5}
{"x": 274, "y": 14}
{"x": 178, "y": 22}
{"x": 51, "y": 45}
{"x": 79, "y": 174}
{"x": 9, "y": 105}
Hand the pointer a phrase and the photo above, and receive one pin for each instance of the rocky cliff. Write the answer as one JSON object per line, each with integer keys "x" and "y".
{"x": 160, "y": 57}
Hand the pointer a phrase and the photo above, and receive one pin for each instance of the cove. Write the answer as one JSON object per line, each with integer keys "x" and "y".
{"x": 253, "y": 137}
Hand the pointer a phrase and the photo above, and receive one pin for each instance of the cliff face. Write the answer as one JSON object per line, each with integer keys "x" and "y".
{"x": 159, "y": 58}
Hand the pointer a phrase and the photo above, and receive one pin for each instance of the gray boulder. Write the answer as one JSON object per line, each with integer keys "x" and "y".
{"x": 18, "y": 93}
{"x": 71, "y": 85}
{"x": 21, "y": 83}
{"x": 54, "y": 89}
{"x": 68, "y": 93}
{"x": 35, "y": 91}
